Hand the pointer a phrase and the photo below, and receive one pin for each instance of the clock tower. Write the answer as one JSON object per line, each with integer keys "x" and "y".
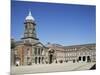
{"x": 30, "y": 30}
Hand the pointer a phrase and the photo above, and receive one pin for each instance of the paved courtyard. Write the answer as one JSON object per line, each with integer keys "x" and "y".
{"x": 41, "y": 68}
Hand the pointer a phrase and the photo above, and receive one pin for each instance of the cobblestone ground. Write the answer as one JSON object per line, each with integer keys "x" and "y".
{"x": 41, "y": 68}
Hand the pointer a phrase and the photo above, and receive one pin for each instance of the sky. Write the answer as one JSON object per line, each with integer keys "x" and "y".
{"x": 64, "y": 24}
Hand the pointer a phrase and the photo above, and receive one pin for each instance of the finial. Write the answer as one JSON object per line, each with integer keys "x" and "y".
{"x": 30, "y": 13}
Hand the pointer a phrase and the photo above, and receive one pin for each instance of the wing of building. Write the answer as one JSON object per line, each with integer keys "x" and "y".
{"x": 75, "y": 53}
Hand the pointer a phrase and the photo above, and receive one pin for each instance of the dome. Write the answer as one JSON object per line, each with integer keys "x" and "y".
{"x": 30, "y": 17}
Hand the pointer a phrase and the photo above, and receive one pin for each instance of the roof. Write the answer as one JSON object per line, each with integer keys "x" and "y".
{"x": 76, "y": 47}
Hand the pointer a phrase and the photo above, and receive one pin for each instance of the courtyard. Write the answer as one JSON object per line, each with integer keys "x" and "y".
{"x": 42, "y": 68}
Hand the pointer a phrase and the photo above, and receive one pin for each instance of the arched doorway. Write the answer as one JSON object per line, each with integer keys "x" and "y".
{"x": 88, "y": 59}
{"x": 84, "y": 58}
{"x": 51, "y": 55}
{"x": 79, "y": 58}
{"x": 39, "y": 60}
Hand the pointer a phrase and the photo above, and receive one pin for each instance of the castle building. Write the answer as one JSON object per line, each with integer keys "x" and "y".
{"x": 29, "y": 50}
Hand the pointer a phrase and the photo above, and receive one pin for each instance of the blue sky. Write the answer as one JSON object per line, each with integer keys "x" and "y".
{"x": 63, "y": 24}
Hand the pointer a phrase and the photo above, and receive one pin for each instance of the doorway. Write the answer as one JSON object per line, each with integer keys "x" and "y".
{"x": 50, "y": 58}
{"x": 84, "y": 58}
{"x": 35, "y": 60}
{"x": 39, "y": 60}
{"x": 79, "y": 58}
{"x": 88, "y": 59}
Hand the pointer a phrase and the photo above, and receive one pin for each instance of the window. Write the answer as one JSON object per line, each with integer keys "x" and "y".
{"x": 28, "y": 52}
{"x": 35, "y": 51}
{"x": 26, "y": 41}
{"x": 68, "y": 54}
{"x": 39, "y": 51}
{"x": 42, "y": 51}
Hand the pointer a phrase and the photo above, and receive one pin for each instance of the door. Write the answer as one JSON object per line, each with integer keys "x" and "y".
{"x": 50, "y": 57}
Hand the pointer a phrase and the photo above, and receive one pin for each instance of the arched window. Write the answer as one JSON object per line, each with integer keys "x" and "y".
{"x": 42, "y": 58}
{"x": 42, "y": 51}
{"x": 38, "y": 51}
